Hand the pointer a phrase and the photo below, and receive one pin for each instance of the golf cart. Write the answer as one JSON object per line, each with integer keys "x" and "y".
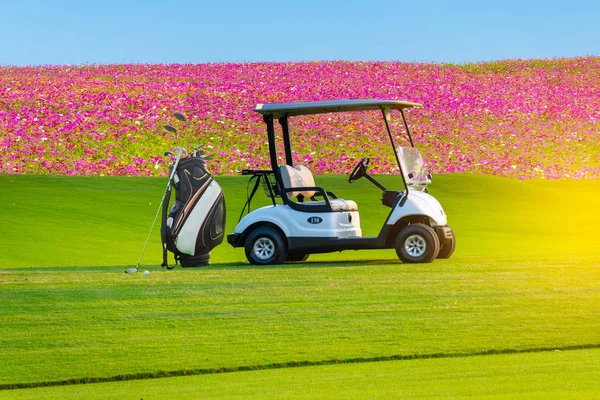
{"x": 308, "y": 219}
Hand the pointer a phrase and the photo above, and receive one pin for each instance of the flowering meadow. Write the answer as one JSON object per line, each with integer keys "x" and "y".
{"x": 514, "y": 118}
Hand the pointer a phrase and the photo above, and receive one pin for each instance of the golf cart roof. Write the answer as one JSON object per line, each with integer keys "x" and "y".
{"x": 322, "y": 107}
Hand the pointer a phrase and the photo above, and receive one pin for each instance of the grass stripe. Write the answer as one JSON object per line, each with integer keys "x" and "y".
{"x": 290, "y": 364}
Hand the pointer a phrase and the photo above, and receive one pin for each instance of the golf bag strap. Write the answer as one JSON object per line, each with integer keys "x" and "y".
{"x": 163, "y": 227}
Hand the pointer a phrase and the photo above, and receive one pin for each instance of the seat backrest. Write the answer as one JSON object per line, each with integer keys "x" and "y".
{"x": 297, "y": 177}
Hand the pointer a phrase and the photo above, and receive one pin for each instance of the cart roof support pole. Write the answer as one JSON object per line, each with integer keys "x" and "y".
{"x": 271, "y": 136}
{"x": 386, "y": 118}
{"x": 283, "y": 121}
{"x": 406, "y": 126}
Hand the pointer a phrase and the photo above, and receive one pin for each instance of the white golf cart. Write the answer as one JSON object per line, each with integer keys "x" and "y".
{"x": 301, "y": 224}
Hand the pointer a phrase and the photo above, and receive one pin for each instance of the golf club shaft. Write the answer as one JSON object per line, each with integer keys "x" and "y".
{"x": 171, "y": 175}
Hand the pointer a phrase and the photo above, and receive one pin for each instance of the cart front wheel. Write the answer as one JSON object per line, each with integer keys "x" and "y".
{"x": 416, "y": 244}
{"x": 265, "y": 246}
{"x": 448, "y": 248}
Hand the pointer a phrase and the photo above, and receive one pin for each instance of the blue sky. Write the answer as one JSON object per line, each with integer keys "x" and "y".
{"x": 78, "y": 32}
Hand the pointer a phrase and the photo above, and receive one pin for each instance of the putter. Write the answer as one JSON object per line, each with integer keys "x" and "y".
{"x": 180, "y": 152}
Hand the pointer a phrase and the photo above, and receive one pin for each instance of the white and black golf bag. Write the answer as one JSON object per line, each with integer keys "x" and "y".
{"x": 195, "y": 223}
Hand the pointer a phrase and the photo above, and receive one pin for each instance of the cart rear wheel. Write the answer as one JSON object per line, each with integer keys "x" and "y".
{"x": 297, "y": 257}
{"x": 265, "y": 246}
{"x": 417, "y": 243}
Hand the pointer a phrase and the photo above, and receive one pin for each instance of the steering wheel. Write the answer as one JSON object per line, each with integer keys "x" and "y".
{"x": 360, "y": 170}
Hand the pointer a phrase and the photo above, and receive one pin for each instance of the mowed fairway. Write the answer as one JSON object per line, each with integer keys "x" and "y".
{"x": 556, "y": 374}
{"x": 525, "y": 277}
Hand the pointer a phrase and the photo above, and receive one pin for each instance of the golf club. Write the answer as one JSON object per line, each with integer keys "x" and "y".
{"x": 179, "y": 116}
{"x": 171, "y": 129}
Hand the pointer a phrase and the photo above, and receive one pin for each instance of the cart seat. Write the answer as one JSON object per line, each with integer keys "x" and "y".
{"x": 336, "y": 204}
{"x": 301, "y": 177}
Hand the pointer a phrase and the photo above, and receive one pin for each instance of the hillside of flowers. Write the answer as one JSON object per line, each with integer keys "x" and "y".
{"x": 514, "y": 118}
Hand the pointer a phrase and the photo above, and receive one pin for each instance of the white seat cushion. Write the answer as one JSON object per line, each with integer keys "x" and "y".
{"x": 297, "y": 177}
{"x": 343, "y": 205}
{"x": 336, "y": 204}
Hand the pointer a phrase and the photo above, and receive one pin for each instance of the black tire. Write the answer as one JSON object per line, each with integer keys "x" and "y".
{"x": 448, "y": 248}
{"x": 417, "y": 244}
{"x": 265, "y": 246}
{"x": 297, "y": 257}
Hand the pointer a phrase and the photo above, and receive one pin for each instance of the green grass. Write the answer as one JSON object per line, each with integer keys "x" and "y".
{"x": 525, "y": 276}
{"x": 549, "y": 375}
{"x": 92, "y": 221}
{"x": 100, "y": 322}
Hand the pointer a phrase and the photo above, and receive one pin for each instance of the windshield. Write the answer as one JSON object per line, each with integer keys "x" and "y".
{"x": 414, "y": 169}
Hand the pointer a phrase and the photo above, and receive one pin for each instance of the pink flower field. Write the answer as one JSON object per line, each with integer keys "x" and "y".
{"x": 514, "y": 118}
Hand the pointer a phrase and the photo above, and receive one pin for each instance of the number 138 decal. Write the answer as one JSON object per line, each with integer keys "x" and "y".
{"x": 315, "y": 220}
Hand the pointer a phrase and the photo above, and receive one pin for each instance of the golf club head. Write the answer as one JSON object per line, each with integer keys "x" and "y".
{"x": 198, "y": 147}
{"x": 170, "y": 128}
{"x": 131, "y": 270}
{"x": 179, "y": 116}
{"x": 207, "y": 158}
{"x": 168, "y": 154}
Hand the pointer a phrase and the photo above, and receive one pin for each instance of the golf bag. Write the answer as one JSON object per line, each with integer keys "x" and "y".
{"x": 195, "y": 223}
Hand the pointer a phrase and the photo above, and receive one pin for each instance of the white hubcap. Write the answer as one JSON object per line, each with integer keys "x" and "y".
{"x": 415, "y": 246}
{"x": 264, "y": 248}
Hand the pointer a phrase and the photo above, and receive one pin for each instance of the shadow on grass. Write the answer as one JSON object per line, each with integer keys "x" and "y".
{"x": 301, "y": 265}
{"x": 239, "y": 265}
